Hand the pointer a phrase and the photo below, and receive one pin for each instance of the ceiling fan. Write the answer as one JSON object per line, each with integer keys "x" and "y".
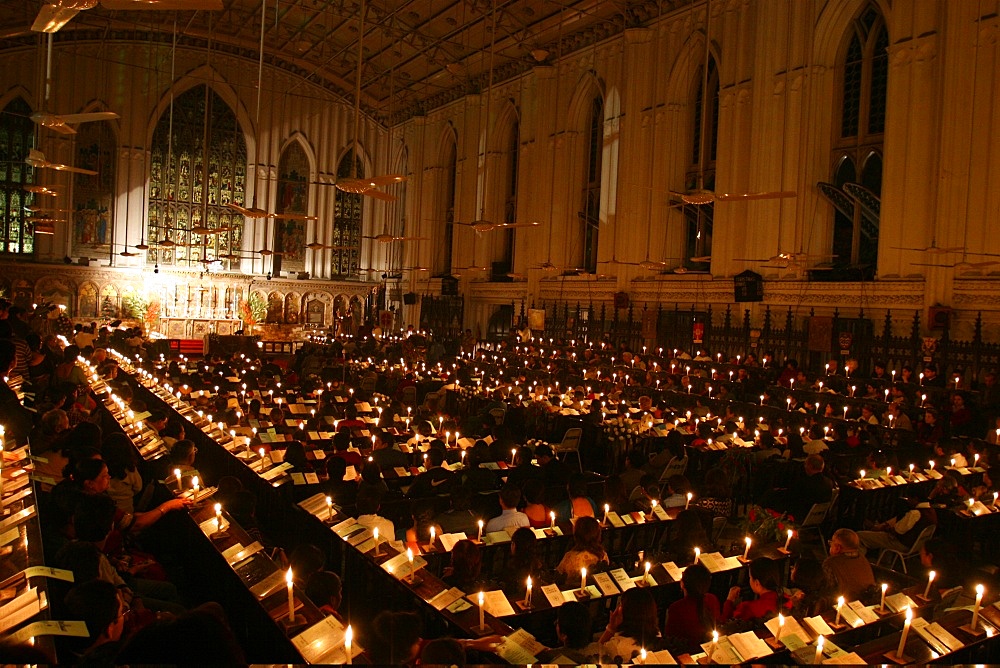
{"x": 385, "y": 237}
{"x": 41, "y": 190}
{"x": 368, "y": 187}
{"x": 37, "y": 160}
{"x": 933, "y": 249}
{"x": 60, "y": 122}
{"x": 964, "y": 265}
{"x": 54, "y": 15}
{"x": 487, "y": 226}
{"x": 254, "y": 212}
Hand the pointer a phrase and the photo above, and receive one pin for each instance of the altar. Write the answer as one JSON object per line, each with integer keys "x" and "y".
{"x": 198, "y": 328}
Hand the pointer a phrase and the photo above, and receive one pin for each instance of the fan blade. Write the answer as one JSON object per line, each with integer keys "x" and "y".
{"x": 508, "y": 226}
{"x": 89, "y": 117}
{"x": 67, "y": 168}
{"x": 53, "y": 17}
{"x": 291, "y": 216}
{"x": 385, "y": 180}
{"x": 701, "y": 258}
{"x": 729, "y": 197}
{"x": 181, "y": 5}
{"x": 248, "y": 213}
{"x": 378, "y": 194}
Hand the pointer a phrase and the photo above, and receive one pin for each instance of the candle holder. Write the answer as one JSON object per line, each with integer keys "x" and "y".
{"x": 292, "y": 626}
{"x": 775, "y": 643}
{"x": 480, "y": 631}
{"x": 525, "y": 605}
{"x": 581, "y": 595}
{"x": 895, "y": 658}
{"x": 974, "y": 632}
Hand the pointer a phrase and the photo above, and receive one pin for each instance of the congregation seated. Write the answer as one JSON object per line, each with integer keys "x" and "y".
{"x": 435, "y": 480}
{"x": 587, "y": 551}
{"x": 764, "y": 577}
{"x": 510, "y": 517}
{"x": 632, "y": 626}
{"x": 846, "y": 569}
{"x": 805, "y": 489}
{"x": 691, "y": 619}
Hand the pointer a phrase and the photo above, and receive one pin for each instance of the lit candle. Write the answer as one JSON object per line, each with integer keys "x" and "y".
{"x": 480, "y": 523}
{"x": 433, "y": 536}
{"x": 409, "y": 559}
{"x": 840, "y": 604}
{"x": 552, "y": 519}
{"x": 715, "y": 643}
{"x": 746, "y": 552}
{"x": 375, "y": 536}
{"x": 348, "y": 641}
{"x": 645, "y": 576}
{"x": 845, "y": 412}
{"x": 781, "y": 626}
{"x": 329, "y": 508}
{"x": 975, "y": 609}
{"x": 642, "y": 653}
{"x": 930, "y": 579}
{"x": 906, "y": 632}
{"x": 788, "y": 541}
{"x": 583, "y": 579}
{"x": 177, "y": 472}
{"x": 697, "y": 554}
{"x": 882, "y": 604}
{"x": 689, "y": 497}
{"x": 652, "y": 507}
{"x": 607, "y": 509}
{"x": 291, "y": 596}
{"x": 194, "y": 486}
{"x": 482, "y": 612}
{"x": 261, "y": 452}
{"x": 218, "y": 517}
{"x": 527, "y": 593}
{"x": 819, "y": 649}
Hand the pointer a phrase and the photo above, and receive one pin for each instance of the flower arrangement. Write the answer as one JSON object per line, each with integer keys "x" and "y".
{"x": 767, "y": 525}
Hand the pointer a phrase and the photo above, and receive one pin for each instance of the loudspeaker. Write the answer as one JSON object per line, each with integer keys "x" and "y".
{"x": 938, "y": 317}
{"x": 409, "y": 298}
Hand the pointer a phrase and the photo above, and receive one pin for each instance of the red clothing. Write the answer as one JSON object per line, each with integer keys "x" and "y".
{"x": 683, "y": 621}
{"x": 352, "y": 458}
{"x": 750, "y": 610}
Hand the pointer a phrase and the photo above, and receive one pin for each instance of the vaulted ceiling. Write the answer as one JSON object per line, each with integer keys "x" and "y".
{"x": 418, "y": 54}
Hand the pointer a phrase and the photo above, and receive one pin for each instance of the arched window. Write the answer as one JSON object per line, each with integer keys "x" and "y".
{"x": 93, "y": 196}
{"x": 293, "y": 197}
{"x": 856, "y": 185}
{"x": 701, "y": 173}
{"x": 185, "y": 194}
{"x": 17, "y": 137}
{"x": 443, "y": 259}
{"x": 347, "y": 209}
{"x": 510, "y": 164}
{"x": 592, "y": 187}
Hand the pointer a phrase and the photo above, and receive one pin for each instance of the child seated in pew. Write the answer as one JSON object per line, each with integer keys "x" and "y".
{"x": 764, "y": 576}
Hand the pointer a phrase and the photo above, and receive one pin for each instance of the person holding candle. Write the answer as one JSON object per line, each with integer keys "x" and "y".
{"x": 765, "y": 577}
{"x": 341, "y": 448}
{"x": 691, "y": 619}
{"x": 845, "y": 568}
{"x": 632, "y": 625}
{"x": 343, "y": 492}
{"x": 586, "y": 551}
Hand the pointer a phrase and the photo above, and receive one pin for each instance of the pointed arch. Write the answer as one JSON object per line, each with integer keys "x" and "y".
{"x": 208, "y": 76}
{"x": 364, "y": 157}
{"x": 442, "y": 236}
{"x": 94, "y": 196}
{"x": 832, "y": 25}
{"x": 588, "y": 87}
{"x": 177, "y": 190}
{"x": 300, "y": 138}
{"x": 587, "y": 116}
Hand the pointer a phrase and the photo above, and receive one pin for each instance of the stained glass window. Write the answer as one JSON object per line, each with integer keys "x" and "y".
{"x": 184, "y": 195}
{"x": 17, "y": 137}
{"x": 347, "y": 208}
{"x": 93, "y": 196}
{"x": 865, "y": 76}
{"x": 293, "y": 197}
{"x": 442, "y": 266}
{"x": 699, "y": 220}
{"x": 710, "y": 128}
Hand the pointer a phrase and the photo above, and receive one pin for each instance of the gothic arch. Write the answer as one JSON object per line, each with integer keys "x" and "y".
{"x": 100, "y": 105}
{"x": 832, "y": 25}
{"x": 210, "y": 77}
{"x": 587, "y": 88}
{"x": 300, "y": 138}
{"x": 16, "y": 92}
{"x": 449, "y": 137}
{"x": 367, "y": 166}
{"x": 682, "y": 79}
{"x": 509, "y": 114}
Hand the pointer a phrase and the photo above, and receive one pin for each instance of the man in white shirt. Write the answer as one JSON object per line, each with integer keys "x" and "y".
{"x": 83, "y": 338}
{"x": 509, "y": 516}
{"x": 367, "y": 505}
{"x": 816, "y": 444}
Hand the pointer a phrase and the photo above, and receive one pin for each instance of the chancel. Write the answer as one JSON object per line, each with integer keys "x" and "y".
{"x": 373, "y": 332}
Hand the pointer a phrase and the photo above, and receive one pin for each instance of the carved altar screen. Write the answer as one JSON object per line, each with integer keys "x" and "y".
{"x": 177, "y": 190}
